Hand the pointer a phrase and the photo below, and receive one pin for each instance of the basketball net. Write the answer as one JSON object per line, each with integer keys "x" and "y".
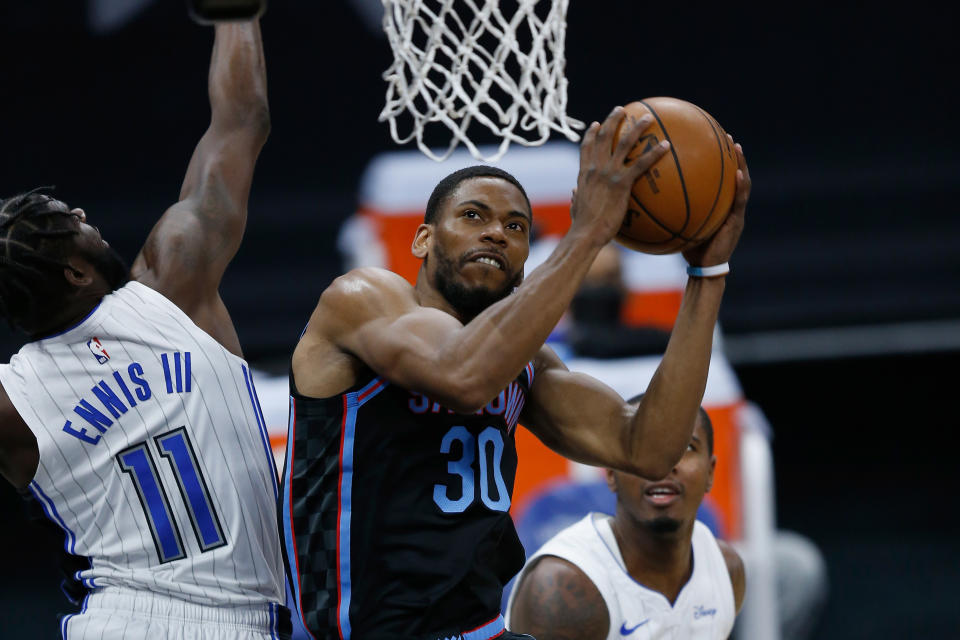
{"x": 459, "y": 63}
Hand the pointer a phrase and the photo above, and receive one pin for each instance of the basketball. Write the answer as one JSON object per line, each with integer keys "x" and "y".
{"x": 685, "y": 197}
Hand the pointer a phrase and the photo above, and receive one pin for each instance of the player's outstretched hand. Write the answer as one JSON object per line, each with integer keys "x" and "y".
{"x": 606, "y": 176}
{"x": 719, "y": 247}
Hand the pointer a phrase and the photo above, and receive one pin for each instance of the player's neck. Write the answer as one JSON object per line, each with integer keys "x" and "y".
{"x": 428, "y": 296}
{"x": 660, "y": 561}
{"x": 73, "y": 312}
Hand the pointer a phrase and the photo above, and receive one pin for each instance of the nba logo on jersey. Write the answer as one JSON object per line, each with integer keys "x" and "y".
{"x": 97, "y": 350}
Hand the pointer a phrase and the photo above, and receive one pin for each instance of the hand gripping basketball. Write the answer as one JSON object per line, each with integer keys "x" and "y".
{"x": 606, "y": 174}
{"x": 720, "y": 246}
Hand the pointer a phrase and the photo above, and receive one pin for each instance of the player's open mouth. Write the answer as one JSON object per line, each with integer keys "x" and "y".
{"x": 662, "y": 494}
{"x": 493, "y": 262}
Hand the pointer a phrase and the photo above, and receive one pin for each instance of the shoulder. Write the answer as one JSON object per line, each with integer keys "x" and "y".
{"x": 368, "y": 286}
{"x": 359, "y": 295}
{"x": 735, "y": 568}
{"x": 366, "y": 297}
{"x": 556, "y": 600}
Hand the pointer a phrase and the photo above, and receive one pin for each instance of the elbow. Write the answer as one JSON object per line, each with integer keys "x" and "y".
{"x": 467, "y": 394}
{"x": 652, "y": 465}
{"x": 250, "y": 121}
{"x": 258, "y": 122}
{"x": 652, "y": 470}
{"x": 465, "y": 401}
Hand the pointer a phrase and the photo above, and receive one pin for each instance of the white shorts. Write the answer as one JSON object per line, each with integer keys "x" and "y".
{"x": 109, "y": 613}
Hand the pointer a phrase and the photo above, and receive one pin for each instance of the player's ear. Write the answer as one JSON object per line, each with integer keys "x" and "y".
{"x": 422, "y": 241}
{"x": 611, "y": 480}
{"x": 78, "y": 272}
{"x": 713, "y": 465}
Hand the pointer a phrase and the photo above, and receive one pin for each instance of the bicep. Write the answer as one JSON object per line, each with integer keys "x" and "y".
{"x": 737, "y": 571}
{"x": 557, "y": 601}
{"x": 373, "y": 316}
{"x": 408, "y": 350}
{"x": 578, "y": 416}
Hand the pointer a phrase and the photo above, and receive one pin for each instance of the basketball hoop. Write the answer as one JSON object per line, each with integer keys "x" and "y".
{"x": 497, "y": 65}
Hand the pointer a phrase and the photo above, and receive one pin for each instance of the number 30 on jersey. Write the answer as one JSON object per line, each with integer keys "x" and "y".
{"x": 462, "y": 467}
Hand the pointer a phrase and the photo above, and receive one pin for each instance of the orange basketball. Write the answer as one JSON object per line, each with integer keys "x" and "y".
{"x": 685, "y": 197}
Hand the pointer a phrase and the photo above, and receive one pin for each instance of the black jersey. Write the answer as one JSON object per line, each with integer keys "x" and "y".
{"x": 395, "y": 511}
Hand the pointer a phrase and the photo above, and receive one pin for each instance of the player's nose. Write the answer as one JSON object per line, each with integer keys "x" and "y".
{"x": 494, "y": 232}
{"x": 80, "y": 213}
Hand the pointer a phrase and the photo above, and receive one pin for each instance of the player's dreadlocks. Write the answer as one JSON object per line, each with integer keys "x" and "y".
{"x": 35, "y": 241}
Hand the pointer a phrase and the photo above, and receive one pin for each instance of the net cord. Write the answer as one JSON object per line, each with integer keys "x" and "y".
{"x": 436, "y": 49}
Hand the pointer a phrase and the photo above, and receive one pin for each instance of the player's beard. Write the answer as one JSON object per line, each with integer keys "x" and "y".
{"x": 662, "y": 525}
{"x": 110, "y": 265}
{"x": 469, "y": 302}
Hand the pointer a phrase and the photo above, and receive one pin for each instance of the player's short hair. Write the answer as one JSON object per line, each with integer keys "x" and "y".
{"x": 446, "y": 186}
{"x": 707, "y": 423}
{"x": 36, "y": 238}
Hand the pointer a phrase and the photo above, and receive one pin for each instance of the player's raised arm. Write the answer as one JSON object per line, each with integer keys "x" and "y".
{"x": 189, "y": 249}
{"x": 649, "y": 440}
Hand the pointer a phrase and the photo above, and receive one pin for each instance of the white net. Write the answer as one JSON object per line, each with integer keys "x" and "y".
{"x": 485, "y": 64}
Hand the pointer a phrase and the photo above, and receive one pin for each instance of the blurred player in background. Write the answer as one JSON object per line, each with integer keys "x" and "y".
{"x": 651, "y": 571}
{"x": 130, "y": 415}
{"x": 401, "y": 455}
{"x": 596, "y": 330}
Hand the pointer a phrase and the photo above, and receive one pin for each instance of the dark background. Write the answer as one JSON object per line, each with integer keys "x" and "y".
{"x": 842, "y": 315}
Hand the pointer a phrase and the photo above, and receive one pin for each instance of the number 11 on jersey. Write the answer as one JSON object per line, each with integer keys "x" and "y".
{"x": 138, "y": 463}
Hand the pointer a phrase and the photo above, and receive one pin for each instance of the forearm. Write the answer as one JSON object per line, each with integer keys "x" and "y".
{"x": 238, "y": 78}
{"x": 495, "y": 345}
{"x": 664, "y": 422}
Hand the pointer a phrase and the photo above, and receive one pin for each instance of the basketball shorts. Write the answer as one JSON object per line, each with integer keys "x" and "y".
{"x": 112, "y": 614}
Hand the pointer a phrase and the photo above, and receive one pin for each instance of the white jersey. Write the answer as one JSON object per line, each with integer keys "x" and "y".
{"x": 154, "y": 458}
{"x": 704, "y": 609}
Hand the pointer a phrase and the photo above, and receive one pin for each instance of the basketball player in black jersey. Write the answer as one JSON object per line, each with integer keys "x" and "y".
{"x": 401, "y": 455}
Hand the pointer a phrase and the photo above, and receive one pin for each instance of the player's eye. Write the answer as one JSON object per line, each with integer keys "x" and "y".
{"x": 516, "y": 226}
{"x": 471, "y": 213}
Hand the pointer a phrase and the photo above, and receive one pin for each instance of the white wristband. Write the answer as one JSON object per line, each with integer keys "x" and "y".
{"x": 709, "y": 272}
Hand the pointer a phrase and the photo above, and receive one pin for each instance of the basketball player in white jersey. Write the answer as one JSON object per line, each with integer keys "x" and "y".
{"x": 131, "y": 416}
{"x": 651, "y": 572}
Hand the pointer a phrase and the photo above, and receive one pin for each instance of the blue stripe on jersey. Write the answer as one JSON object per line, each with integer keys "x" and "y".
{"x": 70, "y": 543}
{"x": 66, "y": 619}
{"x": 263, "y": 430}
{"x": 343, "y": 519}
{"x": 256, "y": 396}
{"x": 273, "y": 621}
{"x": 86, "y": 582}
{"x": 288, "y": 532}
{"x": 63, "y": 625}
{"x": 365, "y": 394}
{"x": 355, "y": 400}
{"x": 490, "y": 630}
